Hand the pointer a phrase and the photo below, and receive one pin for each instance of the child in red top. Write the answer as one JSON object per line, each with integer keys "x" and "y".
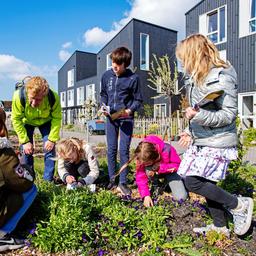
{"x": 154, "y": 156}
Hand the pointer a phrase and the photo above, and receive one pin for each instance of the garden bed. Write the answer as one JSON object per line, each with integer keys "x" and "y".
{"x": 77, "y": 222}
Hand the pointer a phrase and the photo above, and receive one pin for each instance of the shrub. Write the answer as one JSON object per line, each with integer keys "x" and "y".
{"x": 153, "y": 128}
{"x": 249, "y": 136}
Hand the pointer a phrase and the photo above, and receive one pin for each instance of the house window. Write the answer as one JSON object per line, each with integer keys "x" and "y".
{"x": 252, "y": 20}
{"x": 90, "y": 92}
{"x": 80, "y": 95}
{"x": 247, "y": 109}
{"x": 159, "y": 110}
{"x": 70, "y": 98}
{"x": 213, "y": 25}
{"x": 144, "y": 51}
{"x": 71, "y": 74}
{"x": 63, "y": 99}
{"x": 109, "y": 61}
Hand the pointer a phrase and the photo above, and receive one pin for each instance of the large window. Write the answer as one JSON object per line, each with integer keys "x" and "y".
{"x": 247, "y": 109}
{"x": 63, "y": 99}
{"x": 90, "y": 92}
{"x": 71, "y": 76}
{"x": 80, "y": 95}
{"x": 159, "y": 110}
{"x": 144, "y": 52}
{"x": 213, "y": 25}
{"x": 252, "y": 20}
{"x": 247, "y": 17}
{"x": 70, "y": 98}
{"x": 109, "y": 61}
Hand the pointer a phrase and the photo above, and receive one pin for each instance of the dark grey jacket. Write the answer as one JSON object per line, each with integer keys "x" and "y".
{"x": 214, "y": 125}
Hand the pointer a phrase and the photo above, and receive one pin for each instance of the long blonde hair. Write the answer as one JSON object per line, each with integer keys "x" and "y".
{"x": 144, "y": 152}
{"x": 198, "y": 55}
{"x": 65, "y": 147}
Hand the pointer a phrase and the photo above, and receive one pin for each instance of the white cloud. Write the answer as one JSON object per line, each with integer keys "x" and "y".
{"x": 167, "y": 13}
{"x": 67, "y": 45}
{"x": 16, "y": 69}
{"x": 97, "y": 37}
{"x": 64, "y": 55}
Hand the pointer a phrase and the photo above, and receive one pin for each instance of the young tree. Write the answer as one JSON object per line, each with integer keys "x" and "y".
{"x": 163, "y": 79}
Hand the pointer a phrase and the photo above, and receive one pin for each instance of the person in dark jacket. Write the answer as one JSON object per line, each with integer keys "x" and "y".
{"x": 17, "y": 190}
{"x": 121, "y": 95}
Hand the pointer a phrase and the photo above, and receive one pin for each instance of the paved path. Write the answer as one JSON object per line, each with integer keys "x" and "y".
{"x": 250, "y": 157}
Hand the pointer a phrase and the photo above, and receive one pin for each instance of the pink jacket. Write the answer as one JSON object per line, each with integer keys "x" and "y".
{"x": 170, "y": 162}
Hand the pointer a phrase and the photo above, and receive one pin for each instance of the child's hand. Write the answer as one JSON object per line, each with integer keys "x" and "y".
{"x": 148, "y": 201}
{"x": 185, "y": 139}
{"x": 70, "y": 179}
{"x": 190, "y": 112}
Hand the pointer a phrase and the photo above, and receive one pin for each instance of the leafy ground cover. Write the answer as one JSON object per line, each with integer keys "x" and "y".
{"x": 62, "y": 222}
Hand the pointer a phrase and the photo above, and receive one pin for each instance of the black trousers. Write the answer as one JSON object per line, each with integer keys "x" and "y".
{"x": 218, "y": 200}
{"x": 81, "y": 169}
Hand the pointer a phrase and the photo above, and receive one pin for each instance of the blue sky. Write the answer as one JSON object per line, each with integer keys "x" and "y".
{"x": 38, "y": 36}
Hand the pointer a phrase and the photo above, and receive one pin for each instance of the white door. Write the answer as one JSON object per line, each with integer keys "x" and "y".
{"x": 247, "y": 109}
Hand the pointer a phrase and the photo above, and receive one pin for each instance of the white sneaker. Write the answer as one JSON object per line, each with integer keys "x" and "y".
{"x": 242, "y": 218}
{"x": 203, "y": 230}
{"x": 92, "y": 187}
{"x": 71, "y": 186}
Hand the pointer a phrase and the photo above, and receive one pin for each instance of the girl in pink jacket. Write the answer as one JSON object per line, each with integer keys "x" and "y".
{"x": 155, "y": 157}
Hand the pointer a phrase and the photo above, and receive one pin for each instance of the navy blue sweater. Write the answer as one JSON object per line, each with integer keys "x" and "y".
{"x": 121, "y": 91}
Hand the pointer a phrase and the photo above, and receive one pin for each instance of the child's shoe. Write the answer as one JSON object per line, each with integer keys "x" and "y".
{"x": 242, "y": 215}
{"x": 124, "y": 189}
{"x": 92, "y": 187}
{"x": 203, "y": 230}
{"x": 9, "y": 243}
{"x": 72, "y": 186}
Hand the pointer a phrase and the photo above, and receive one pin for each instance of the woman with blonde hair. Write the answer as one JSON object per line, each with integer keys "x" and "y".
{"x": 211, "y": 136}
{"x": 77, "y": 163}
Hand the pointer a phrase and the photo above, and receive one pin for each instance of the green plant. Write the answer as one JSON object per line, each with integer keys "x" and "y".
{"x": 70, "y": 223}
{"x": 249, "y": 136}
{"x": 148, "y": 110}
{"x": 153, "y": 128}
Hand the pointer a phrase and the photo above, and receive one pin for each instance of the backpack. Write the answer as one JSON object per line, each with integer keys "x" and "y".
{"x": 21, "y": 87}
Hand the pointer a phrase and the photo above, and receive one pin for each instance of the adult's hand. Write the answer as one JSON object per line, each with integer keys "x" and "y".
{"x": 148, "y": 201}
{"x": 48, "y": 146}
{"x": 185, "y": 139}
{"x": 28, "y": 148}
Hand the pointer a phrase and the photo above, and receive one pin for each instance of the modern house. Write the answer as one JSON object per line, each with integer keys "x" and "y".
{"x": 231, "y": 25}
{"x": 79, "y": 78}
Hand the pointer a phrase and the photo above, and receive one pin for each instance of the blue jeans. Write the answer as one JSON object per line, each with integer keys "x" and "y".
{"x": 124, "y": 128}
{"x": 49, "y": 163}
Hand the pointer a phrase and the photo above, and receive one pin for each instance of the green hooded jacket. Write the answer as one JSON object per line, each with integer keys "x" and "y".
{"x": 36, "y": 116}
